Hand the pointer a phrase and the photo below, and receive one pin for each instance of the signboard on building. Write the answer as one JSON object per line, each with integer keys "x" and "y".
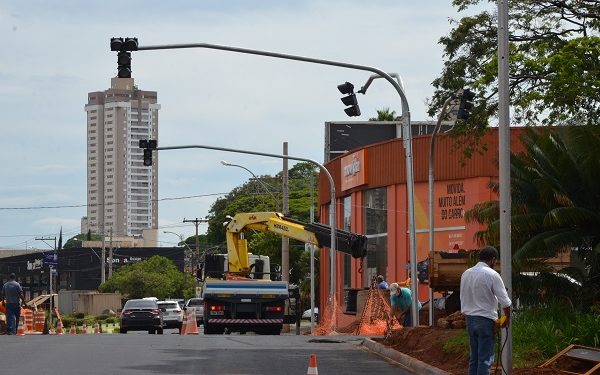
{"x": 51, "y": 258}
{"x": 354, "y": 169}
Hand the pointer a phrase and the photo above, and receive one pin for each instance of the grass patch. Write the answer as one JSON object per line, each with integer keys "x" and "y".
{"x": 458, "y": 344}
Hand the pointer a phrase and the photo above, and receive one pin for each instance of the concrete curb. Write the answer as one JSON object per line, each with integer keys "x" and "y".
{"x": 409, "y": 362}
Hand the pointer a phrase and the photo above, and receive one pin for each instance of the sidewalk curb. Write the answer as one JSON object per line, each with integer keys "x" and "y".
{"x": 409, "y": 362}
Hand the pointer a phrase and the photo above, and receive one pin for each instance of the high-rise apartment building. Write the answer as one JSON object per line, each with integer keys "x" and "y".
{"x": 122, "y": 192}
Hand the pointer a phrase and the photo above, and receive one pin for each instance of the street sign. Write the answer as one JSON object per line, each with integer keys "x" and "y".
{"x": 51, "y": 258}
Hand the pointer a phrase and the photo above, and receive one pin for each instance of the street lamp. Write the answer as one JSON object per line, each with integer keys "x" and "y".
{"x": 410, "y": 183}
{"x": 228, "y": 164}
{"x": 180, "y": 236}
{"x": 431, "y": 180}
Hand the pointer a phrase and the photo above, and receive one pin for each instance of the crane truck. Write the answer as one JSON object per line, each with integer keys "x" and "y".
{"x": 243, "y": 297}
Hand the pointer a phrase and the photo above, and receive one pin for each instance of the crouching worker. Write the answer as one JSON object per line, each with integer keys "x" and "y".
{"x": 401, "y": 301}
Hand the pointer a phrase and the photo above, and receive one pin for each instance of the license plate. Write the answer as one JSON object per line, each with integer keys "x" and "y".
{"x": 217, "y": 312}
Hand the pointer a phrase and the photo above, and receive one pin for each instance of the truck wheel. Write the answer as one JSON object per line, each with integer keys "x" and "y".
{"x": 122, "y": 330}
{"x": 159, "y": 331}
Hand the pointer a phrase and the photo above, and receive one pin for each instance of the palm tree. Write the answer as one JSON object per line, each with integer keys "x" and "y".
{"x": 555, "y": 207}
{"x": 385, "y": 115}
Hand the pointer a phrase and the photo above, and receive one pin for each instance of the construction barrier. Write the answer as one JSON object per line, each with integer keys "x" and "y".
{"x": 39, "y": 319}
{"x": 27, "y": 320}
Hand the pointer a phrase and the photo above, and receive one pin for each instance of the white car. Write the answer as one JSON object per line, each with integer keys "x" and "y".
{"x": 306, "y": 314}
{"x": 198, "y": 305}
{"x": 172, "y": 314}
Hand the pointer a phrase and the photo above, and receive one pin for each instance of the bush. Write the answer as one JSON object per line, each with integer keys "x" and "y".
{"x": 79, "y": 315}
{"x": 111, "y": 320}
{"x": 101, "y": 317}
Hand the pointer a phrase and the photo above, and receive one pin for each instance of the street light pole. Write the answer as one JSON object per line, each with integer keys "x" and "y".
{"x": 180, "y": 236}
{"x": 228, "y": 164}
{"x": 323, "y": 169}
{"x": 431, "y": 195}
{"x": 407, "y": 140}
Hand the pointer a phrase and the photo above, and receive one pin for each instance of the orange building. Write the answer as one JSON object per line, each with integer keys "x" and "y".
{"x": 371, "y": 198}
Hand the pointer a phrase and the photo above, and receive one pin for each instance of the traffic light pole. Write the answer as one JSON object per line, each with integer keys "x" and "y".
{"x": 407, "y": 140}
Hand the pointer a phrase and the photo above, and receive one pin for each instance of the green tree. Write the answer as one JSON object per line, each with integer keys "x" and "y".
{"x": 75, "y": 242}
{"x": 554, "y": 62}
{"x": 251, "y": 197}
{"x": 385, "y": 115}
{"x": 156, "y": 277}
{"x": 555, "y": 206}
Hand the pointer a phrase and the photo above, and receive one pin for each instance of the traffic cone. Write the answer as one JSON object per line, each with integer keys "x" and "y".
{"x": 192, "y": 326}
{"x": 96, "y": 328}
{"x": 84, "y": 329}
{"x": 184, "y": 323}
{"x": 73, "y": 330}
{"x": 20, "y": 330}
{"x": 59, "y": 328}
{"x": 312, "y": 365}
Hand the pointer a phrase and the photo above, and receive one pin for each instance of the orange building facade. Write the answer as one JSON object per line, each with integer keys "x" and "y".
{"x": 371, "y": 199}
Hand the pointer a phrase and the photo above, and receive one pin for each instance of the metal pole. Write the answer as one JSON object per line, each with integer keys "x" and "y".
{"x": 228, "y": 164}
{"x": 431, "y": 196}
{"x": 407, "y": 140}
{"x": 323, "y": 169}
{"x": 312, "y": 258}
{"x": 504, "y": 169}
{"x": 110, "y": 255}
{"x": 285, "y": 241}
{"x": 103, "y": 261}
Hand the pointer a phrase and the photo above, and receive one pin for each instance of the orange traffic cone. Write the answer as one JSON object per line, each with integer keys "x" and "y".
{"x": 184, "y": 323}
{"x": 59, "y": 328}
{"x": 73, "y": 330}
{"x": 191, "y": 326}
{"x": 20, "y": 330}
{"x": 312, "y": 365}
{"x": 96, "y": 328}
{"x": 84, "y": 329}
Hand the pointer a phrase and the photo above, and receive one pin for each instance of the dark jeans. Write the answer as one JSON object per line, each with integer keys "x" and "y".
{"x": 13, "y": 314}
{"x": 481, "y": 340}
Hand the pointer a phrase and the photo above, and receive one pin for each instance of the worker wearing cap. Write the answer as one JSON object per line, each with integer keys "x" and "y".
{"x": 481, "y": 290}
{"x": 11, "y": 294}
{"x": 381, "y": 283}
{"x": 401, "y": 302}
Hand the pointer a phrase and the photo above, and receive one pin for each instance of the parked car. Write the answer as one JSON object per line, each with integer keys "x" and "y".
{"x": 181, "y": 302}
{"x": 141, "y": 315}
{"x": 172, "y": 314}
{"x": 198, "y": 305}
{"x": 306, "y": 314}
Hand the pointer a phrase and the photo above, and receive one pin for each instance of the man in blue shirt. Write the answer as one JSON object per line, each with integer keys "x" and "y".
{"x": 11, "y": 293}
{"x": 401, "y": 301}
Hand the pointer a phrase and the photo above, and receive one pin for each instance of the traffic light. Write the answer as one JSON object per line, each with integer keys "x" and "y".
{"x": 466, "y": 104}
{"x": 350, "y": 100}
{"x": 124, "y": 46}
{"x": 124, "y": 64}
{"x": 148, "y": 145}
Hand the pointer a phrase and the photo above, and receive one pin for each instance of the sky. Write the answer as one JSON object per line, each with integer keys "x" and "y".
{"x": 55, "y": 52}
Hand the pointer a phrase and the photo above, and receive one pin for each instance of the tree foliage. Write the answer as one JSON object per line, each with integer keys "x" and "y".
{"x": 75, "y": 242}
{"x": 554, "y": 62}
{"x": 385, "y": 114}
{"x": 252, "y": 197}
{"x": 156, "y": 277}
{"x": 555, "y": 207}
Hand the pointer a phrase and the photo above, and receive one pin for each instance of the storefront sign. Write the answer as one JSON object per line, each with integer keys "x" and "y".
{"x": 354, "y": 170}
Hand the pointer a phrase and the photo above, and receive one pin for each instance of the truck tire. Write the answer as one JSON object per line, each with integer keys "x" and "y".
{"x": 122, "y": 330}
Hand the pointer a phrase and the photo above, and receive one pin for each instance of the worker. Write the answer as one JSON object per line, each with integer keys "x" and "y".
{"x": 11, "y": 295}
{"x": 381, "y": 283}
{"x": 401, "y": 302}
{"x": 481, "y": 289}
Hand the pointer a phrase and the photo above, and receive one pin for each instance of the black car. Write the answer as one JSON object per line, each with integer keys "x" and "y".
{"x": 141, "y": 315}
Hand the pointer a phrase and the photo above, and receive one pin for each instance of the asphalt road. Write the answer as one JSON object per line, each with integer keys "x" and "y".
{"x": 141, "y": 353}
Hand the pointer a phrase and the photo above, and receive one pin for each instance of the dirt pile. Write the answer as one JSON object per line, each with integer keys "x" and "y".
{"x": 427, "y": 345}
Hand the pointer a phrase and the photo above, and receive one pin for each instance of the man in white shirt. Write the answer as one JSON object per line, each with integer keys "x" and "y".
{"x": 481, "y": 290}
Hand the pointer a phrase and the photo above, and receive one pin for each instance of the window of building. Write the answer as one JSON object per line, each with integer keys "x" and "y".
{"x": 347, "y": 259}
{"x": 376, "y": 230}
